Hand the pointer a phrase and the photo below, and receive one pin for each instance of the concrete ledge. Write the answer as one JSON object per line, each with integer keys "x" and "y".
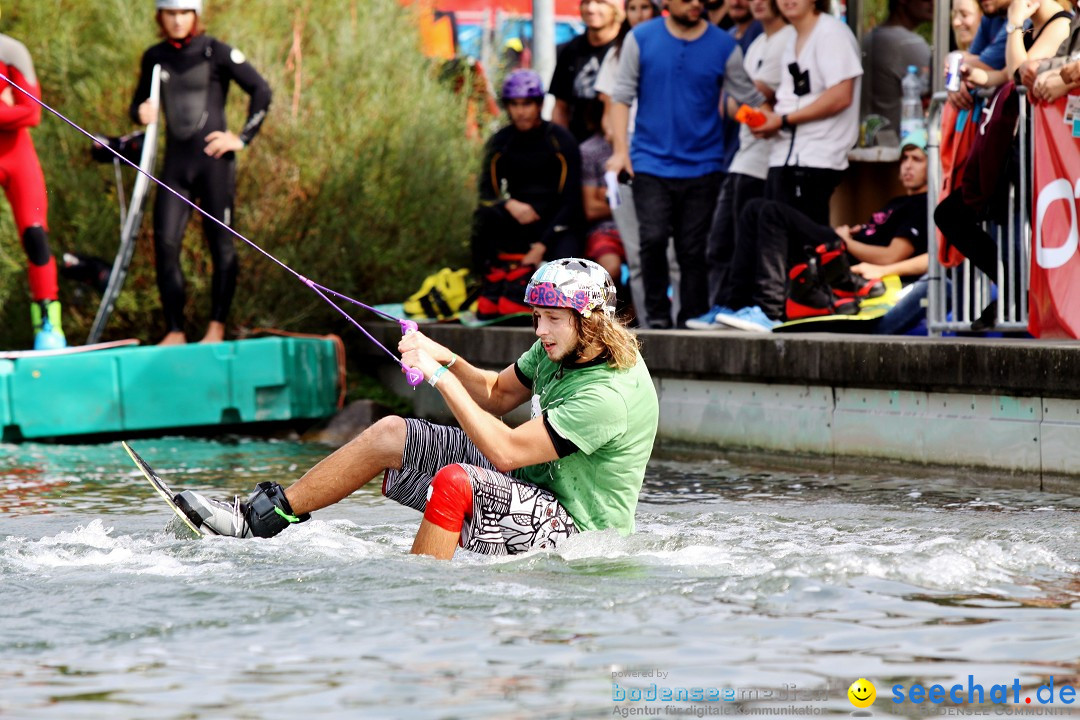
{"x": 1008, "y": 405}
{"x": 1013, "y": 367}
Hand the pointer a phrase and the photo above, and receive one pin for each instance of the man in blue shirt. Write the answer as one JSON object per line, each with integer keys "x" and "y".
{"x": 676, "y": 68}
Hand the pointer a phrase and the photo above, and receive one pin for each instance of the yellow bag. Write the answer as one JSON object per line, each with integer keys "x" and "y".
{"x": 440, "y": 296}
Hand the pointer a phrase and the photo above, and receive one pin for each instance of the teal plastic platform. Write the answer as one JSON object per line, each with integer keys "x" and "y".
{"x": 138, "y": 389}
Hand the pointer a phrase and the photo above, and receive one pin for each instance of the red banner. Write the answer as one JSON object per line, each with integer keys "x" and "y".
{"x": 1054, "y": 300}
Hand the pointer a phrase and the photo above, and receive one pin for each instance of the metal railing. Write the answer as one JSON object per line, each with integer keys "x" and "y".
{"x": 956, "y": 296}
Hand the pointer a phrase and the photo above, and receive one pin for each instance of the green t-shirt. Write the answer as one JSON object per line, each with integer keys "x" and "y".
{"x": 611, "y": 416}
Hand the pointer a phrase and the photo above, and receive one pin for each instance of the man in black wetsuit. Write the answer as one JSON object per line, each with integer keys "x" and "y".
{"x": 200, "y": 152}
{"x": 530, "y": 198}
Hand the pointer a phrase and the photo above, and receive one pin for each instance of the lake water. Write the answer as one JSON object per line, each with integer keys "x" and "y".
{"x": 769, "y": 591}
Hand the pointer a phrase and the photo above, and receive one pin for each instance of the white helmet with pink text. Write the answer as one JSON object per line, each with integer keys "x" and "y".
{"x": 573, "y": 283}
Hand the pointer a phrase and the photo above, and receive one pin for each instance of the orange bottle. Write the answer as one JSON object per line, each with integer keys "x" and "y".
{"x": 750, "y": 116}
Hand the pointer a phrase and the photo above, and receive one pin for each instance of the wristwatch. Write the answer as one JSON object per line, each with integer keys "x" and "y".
{"x": 785, "y": 123}
{"x": 1010, "y": 28}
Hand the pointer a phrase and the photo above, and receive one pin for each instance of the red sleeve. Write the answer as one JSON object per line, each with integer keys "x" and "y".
{"x": 26, "y": 112}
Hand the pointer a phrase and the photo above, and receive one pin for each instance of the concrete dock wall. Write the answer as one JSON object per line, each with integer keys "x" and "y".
{"x": 1012, "y": 406}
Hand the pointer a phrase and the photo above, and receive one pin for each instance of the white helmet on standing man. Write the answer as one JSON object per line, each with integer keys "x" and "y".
{"x": 195, "y": 5}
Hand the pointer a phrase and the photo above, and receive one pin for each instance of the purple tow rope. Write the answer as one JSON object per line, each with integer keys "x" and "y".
{"x": 413, "y": 375}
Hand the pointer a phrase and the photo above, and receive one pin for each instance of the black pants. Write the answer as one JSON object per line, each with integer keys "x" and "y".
{"x": 806, "y": 189}
{"x": 681, "y": 208}
{"x": 962, "y": 227}
{"x": 495, "y": 231}
{"x": 772, "y": 237}
{"x": 212, "y": 182}
{"x": 735, "y": 192}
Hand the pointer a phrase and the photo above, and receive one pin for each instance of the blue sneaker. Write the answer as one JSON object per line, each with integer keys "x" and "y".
{"x": 708, "y": 320}
{"x": 45, "y": 317}
{"x": 751, "y": 319}
{"x": 49, "y": 339}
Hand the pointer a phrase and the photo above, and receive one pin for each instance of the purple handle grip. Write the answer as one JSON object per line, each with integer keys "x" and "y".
{"x": 413, "y": 375}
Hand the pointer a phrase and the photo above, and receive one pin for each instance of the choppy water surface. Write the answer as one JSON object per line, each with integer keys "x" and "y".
{"x": 739, "y": 579}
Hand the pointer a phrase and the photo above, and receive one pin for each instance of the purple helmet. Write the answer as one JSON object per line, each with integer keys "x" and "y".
{"x": 523, "y": 84}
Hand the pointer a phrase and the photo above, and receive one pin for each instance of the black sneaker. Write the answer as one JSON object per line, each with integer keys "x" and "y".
{"x": 987, "y": 319}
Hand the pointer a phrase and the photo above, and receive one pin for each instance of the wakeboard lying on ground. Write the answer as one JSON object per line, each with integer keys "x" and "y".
{"x": 71, "y": 350}
{"x": 158, "y": 484}
{"x": 132, "y": 220}
{"x": 465, "y": 317}
{"x": 834, "y": 323}
{"x": 398, "y": 310}
{"x": 469, "y": 319}
{"x": 871, "y": 309}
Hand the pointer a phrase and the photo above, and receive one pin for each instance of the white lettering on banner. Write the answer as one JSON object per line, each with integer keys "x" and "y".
{"x": 1055, "y": 257}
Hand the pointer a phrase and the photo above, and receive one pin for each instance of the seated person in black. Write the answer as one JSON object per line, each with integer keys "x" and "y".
{"x": 894, "y": 241}
{"x": 774, "y": 240}
{"x": 530, "y": 207}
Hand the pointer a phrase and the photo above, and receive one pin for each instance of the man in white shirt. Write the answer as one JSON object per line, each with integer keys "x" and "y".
{"x": 816, "y": 116}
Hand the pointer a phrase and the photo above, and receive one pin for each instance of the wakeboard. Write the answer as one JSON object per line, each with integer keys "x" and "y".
{"x": 132, "y": 220}
{"x": 834, "y": 323}
{"x": 158, "y": 484}
{"x": 465, "y": 317}
{"x": 397, "y": 310}
{"x": 522, "y": 319}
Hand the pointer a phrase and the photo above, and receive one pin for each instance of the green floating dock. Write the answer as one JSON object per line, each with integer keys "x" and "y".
{"x": 140, "y": 389}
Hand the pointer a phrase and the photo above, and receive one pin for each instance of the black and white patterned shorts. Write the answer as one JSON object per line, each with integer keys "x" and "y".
{"x": 509, "y": 515}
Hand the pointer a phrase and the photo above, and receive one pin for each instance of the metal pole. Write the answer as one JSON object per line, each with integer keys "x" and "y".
{"x": 936, "y": 313}
{"x": 1021, "y": 299}
{"x": 942, "y": 30}
{"x": 544, "y": 45}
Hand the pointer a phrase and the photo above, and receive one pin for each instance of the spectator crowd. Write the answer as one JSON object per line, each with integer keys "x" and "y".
{"x": 694, "y": 149}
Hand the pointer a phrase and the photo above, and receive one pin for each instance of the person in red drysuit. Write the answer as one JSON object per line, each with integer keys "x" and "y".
{"x": 24, "y": 185}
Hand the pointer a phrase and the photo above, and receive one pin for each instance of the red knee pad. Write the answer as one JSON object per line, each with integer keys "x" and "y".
{"x": 43, "y": 280}
{"x": 451, "y": 498}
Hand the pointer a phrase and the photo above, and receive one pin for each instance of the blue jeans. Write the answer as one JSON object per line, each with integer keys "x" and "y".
{"x": 909, "y": 313}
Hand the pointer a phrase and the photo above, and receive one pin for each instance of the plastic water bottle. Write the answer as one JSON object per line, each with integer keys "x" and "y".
{"x": 911, "y": 110}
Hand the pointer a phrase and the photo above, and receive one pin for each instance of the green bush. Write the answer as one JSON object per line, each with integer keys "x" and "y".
{"x": 360, "y": 179}
{"x": 875, "y": 12}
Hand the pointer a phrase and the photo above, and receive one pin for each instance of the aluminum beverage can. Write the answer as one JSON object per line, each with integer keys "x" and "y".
{"x": 952, "y": 70}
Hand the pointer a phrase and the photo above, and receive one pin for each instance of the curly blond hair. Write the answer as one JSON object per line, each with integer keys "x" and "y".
{"x": 619, "y": 344}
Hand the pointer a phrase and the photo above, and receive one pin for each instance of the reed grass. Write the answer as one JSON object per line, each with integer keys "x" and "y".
{"x": 362, "y": 177}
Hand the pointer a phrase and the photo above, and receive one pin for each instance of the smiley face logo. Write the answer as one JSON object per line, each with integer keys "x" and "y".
{"x": 862, "y": 693}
